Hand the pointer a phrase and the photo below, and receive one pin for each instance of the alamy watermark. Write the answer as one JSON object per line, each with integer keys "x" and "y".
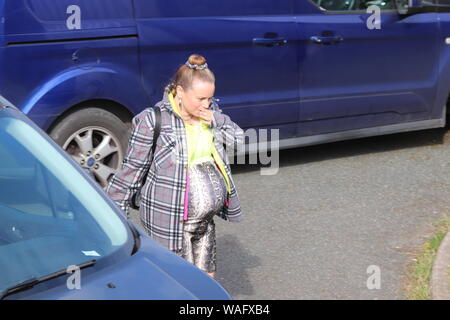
{"x": 74, "y": 281}
{"x": 374, "y": 280}
{"x": 374, "y": 20}
{"x": 73, "y": 22}
{"x": 260, "y": 146}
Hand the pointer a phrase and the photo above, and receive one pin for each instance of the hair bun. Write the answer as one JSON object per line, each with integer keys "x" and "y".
{"x": 196, "y": 59}
{"x": 195, "y": 68}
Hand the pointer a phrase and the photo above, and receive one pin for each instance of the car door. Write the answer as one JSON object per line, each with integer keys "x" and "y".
{"x": 355, "y": 75}
{"x": 250, "y": 46}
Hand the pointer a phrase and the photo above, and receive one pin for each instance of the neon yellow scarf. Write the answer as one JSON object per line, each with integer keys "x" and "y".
{"x": 200, "y": 141}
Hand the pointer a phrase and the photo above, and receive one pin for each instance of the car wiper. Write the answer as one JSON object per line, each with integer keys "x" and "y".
{"x": 30, "y": 283}
{"x": 136, "y": 236}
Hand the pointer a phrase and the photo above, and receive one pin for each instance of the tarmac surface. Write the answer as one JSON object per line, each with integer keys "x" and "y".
{"x": 338, "y": 221}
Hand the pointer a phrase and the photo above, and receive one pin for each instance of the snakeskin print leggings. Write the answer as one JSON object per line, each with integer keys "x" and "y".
{"x": 207, "y": 194}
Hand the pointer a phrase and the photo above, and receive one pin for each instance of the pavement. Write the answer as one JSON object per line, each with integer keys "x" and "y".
{"x": 440, "y": 280}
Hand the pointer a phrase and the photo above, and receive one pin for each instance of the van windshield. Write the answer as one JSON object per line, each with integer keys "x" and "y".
{"x": 51, "y": 217}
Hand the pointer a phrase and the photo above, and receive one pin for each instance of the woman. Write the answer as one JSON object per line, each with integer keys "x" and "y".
{"x": 189, "y": 178}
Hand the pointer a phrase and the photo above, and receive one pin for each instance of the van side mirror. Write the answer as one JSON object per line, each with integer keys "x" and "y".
{"x": 408, "y": 7}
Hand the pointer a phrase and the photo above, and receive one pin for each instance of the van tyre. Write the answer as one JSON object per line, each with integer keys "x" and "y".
{"x": 96, "y": 139}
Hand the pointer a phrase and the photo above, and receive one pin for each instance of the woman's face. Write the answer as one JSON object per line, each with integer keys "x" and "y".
{"x": 197, "y": 97}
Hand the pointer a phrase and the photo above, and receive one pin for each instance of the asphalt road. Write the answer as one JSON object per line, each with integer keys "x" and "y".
{"x": 333, "y": 211}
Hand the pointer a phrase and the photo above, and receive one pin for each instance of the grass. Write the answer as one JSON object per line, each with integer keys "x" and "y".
{"x": 419, "y": 286}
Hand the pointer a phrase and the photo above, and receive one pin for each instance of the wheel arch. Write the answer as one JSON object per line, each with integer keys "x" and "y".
{"x": 116, "y": 90}
{"x": 119, "y": 110}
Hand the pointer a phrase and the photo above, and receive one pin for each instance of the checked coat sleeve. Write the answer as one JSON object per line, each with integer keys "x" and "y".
{"x": 229, "y": 134}
{"x": 136, "y": 162}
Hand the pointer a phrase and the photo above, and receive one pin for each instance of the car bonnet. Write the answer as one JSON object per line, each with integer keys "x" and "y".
{"x": 153, "y": 273}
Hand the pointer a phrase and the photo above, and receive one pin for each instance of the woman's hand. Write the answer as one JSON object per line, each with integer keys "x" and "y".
{"x": 206, "y": 116}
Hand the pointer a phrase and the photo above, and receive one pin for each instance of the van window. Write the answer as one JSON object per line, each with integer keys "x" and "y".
{"x": 353, "y": 5}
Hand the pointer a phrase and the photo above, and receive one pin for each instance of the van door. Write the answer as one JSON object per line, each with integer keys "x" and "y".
{"x": 353, "y": 76}
{"x": 249, "y": 45}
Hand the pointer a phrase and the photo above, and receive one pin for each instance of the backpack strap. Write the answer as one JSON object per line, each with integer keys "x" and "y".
{"x": 157, "y": 129}
{"x": 135, "y": 198}
{"x": 156, "y": 132}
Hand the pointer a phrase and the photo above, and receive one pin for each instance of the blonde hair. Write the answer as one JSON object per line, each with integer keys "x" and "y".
{"x": 195, "y": 68}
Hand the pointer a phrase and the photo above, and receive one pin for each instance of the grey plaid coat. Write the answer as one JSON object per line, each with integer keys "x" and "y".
{"x": 162, "y": 202}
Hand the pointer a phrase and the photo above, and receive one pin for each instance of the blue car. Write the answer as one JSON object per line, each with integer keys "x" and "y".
{"x": 62, "y": 238}
{"x": 317, "y": 70}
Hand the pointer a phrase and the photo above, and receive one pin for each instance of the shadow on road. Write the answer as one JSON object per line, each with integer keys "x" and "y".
{"x": 233, "y": 264}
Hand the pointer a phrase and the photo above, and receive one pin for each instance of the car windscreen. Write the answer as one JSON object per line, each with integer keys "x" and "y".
{"x": 51, "y": 217}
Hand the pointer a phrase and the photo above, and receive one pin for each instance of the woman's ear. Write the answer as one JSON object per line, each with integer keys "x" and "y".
{"x": 180, "y": 91}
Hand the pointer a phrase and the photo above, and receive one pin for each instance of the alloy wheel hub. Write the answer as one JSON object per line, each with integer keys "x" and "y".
{"x": 96, "y": 149}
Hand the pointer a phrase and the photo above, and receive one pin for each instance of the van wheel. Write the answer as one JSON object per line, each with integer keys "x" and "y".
{"x": 96, "y": 139}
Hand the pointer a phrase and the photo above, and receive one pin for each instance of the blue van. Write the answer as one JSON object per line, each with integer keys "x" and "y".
{"x": 317, "y": 70}
{"x": 61, "y": 237}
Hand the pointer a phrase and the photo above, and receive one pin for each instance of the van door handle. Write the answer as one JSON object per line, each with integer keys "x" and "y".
{"x": 269, "y": 42}
{"x": 326, "y": 40}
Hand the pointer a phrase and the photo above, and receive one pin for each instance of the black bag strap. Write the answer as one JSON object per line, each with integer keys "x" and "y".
{"x": 156, "y": 132}
{"x": 134, "y": 201}
{"x": 157, "y": 129}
